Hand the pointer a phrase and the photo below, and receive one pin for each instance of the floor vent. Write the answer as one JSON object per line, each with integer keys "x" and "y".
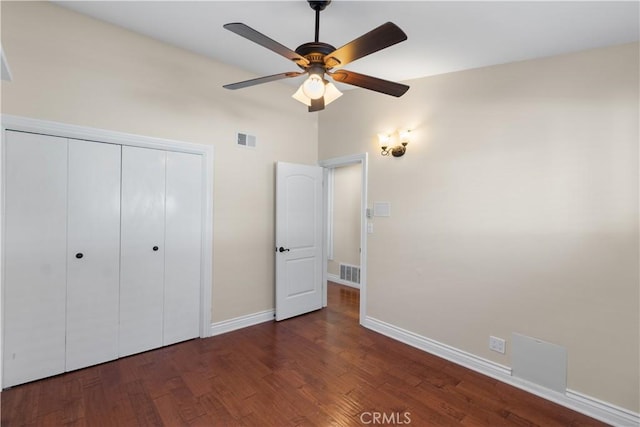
{"x": 246, "y": 140}
{"x": 350, "y": 273}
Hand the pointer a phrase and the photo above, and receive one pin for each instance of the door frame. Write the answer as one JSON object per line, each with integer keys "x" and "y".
{"x": 330, "y": 164}
{"x": 25, "y": 124}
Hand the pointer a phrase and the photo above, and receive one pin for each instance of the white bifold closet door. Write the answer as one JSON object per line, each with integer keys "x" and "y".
{"x": 183, "y": 247}
{"x": 142, "y": 249}
{"x": 93, "y": 253}
{"x": 102, "y": 252}
{"x": 161, "y": 225}
{"x": 35, "y": 230}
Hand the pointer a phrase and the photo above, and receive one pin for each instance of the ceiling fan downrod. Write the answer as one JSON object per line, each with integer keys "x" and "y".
{"x": 318, "y": 6}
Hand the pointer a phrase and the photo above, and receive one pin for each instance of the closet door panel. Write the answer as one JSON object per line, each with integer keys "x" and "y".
{"x": 93, "y": 254}
{"x": 142, "y": 250}
{"x": 183, "y": 247}
{"x": 34, "y": 256}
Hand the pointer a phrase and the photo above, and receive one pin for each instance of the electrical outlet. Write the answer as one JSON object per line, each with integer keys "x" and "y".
{"x": 497, "y": 344}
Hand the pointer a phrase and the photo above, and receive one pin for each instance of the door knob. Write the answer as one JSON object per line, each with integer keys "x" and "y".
{"x": 79, "y": 255}
{"x": 283, "y": 249}
{"x": 155, "y": 248}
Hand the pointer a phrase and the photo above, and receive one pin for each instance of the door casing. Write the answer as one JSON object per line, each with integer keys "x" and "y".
{"x": 363, "y": 160}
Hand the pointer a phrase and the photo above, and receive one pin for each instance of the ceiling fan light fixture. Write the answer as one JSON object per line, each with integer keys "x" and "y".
{"x": 331, "y": 93}
{"x": 313, "y": 87}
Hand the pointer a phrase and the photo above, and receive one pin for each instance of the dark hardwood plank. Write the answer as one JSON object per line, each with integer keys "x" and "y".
{"x": 320, "y": 369}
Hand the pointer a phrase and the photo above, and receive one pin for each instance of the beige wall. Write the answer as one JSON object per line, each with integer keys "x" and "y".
{"x": 347, "y": 189}
{"x": 73, "y": 69}
{"x": 514, "y": 210}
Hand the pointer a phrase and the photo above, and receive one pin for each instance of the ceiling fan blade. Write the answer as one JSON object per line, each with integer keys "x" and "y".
{"x": 377, "y": 39}
{"x": 249, "y": 33}
{"x": 261, "y": 80}
{"x": 316, "y": 104}
{"x": 371, "y": 83}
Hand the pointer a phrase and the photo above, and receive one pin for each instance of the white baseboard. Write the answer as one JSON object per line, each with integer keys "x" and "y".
{"x": 452, "y": 354}
{"x": 576, "y": 401}
{"x": 336, "y": 279}
{"x": 225, "y": 326}
{"x": 623, "y": 417}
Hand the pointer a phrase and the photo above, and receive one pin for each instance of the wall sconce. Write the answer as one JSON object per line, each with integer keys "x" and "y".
{"x": 397, "y": 150}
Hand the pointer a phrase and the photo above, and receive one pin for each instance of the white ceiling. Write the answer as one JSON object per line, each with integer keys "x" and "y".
{"x": 443, "y": 36}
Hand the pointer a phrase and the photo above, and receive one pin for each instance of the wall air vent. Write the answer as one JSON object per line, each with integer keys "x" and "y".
{"x": 245, "y": 140}
{"x": 350, "y": 273}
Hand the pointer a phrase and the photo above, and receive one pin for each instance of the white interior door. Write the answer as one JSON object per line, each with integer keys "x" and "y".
{"x": 34, "y": 257}
{"x": 142, "y": 249}
{"x": 183, "y": 247}
{"x": 299, "y": 259}
{"x": 93, "y": 253}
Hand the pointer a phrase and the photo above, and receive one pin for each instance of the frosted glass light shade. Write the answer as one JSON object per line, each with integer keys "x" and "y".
{"x": 404, "y": 136}
{"x": 384, "y": 139}
{"x": 331, "y": 93}
{"x": 300, "y": 96}
{"x": 313, "y": 87}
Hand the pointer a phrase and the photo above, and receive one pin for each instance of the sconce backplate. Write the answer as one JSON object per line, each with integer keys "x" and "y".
{"x": 399, "y": 150}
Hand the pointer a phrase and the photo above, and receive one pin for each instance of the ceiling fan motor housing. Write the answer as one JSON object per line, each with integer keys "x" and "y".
{"x": 315, "y": 51}
{"x": 318, "y": 5}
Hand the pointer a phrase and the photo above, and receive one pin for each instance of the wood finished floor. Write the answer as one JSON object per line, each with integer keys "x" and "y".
{"x": 319, "y": 369}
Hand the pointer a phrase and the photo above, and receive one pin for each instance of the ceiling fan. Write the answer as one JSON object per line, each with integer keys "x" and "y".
{"x": 317, "y": 59}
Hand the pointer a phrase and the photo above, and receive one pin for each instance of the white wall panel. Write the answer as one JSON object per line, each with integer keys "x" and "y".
{"x": 34, "y": 256}
{"x": 93, "y": 253}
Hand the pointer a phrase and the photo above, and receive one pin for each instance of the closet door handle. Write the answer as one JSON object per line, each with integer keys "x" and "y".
{"x": 155, "y": 248}
{"x": 79, "y": 255}
{"x": 283, "y": 249}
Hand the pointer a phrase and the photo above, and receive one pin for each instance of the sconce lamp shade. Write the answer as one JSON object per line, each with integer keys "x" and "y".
{"x": 384, "y": 139}
{"x": 404, "y": 136}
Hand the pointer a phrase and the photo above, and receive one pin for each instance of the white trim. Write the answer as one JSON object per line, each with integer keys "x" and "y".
{"x": 326, "y": 191}
{"x": 225, "y": 326}
{"x": 623, "y": 417}
{"x": 576, "y": 401}
{"x": 2, "y": 226}
{"x": 338, "y": 280}
{"x": 329, "y": 206}
{"x": 363, "y": 160}
{"x": 452, "y": 354}
{"x": 26, "y": 124}
{"x": 206, "y": 276}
